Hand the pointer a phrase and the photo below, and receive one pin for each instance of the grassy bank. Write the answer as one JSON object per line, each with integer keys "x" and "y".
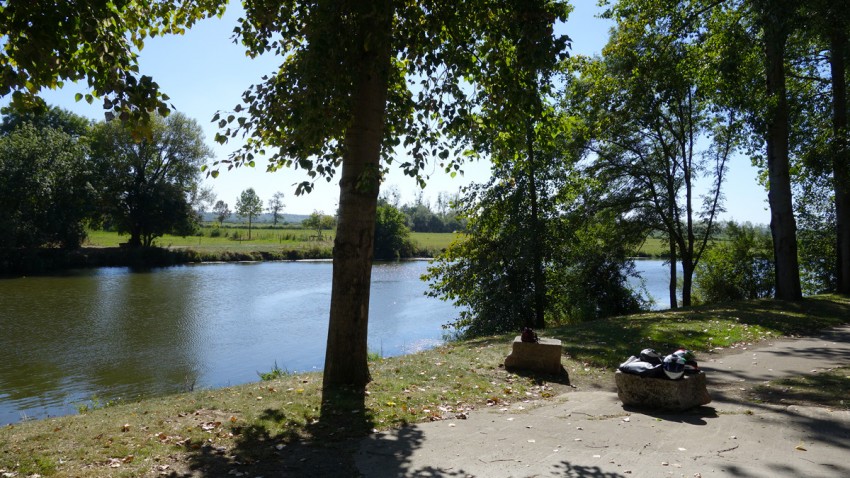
{"x": 277, "y": 427}
{"x": 212, "y": 240}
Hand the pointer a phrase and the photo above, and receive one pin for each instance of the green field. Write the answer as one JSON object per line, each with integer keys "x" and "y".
{"x": 235, "y": 239}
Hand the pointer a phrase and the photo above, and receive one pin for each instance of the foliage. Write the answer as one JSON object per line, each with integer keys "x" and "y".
{"x": 146, "y": 184}
{"x": 739, "y": 268}
{"x": 43, "y": 49}
{"x": 392, "y": 237}
{"x": 488, "y": 275}
{"x": 249, "y": 204}
{"x": 221, "y": 211}
{"x": 276, "y": 373}
{"x": 276, "y": 206}
{"x": 654, "y": 128}
{"x": 420, "y": 217}
{"x": 201, "y": 198}
{"x": 45, "y": 193}
{"x": 53, "y": 118}
{"x": 319, "y": 222}
{"x": 590, "y": 280}
{"x": 815, "y": 210}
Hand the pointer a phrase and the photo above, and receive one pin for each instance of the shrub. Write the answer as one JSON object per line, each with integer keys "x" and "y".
{"x": 740, "y": 268}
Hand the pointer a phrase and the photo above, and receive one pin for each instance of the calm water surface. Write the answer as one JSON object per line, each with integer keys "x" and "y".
{"x": 112, "y": 333}
{"x": 117, "y": 334}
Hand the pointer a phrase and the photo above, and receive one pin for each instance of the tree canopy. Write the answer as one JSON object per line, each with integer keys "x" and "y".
{"x": 147, "y": 183}
{"x": 249, "y": 205}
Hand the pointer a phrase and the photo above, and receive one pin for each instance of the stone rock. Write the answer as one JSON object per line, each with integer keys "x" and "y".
{"x": 543, "y": 356}
{"x": 662, "y": 393}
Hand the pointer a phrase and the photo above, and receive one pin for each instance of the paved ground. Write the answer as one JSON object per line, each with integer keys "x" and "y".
{"x": 588, "y": 434}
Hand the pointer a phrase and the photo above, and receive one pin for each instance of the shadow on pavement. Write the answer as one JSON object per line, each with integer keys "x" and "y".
{"x": 695, "y": 416}
{"x": 400, "y": 445}
{"x": 568, "y": 470}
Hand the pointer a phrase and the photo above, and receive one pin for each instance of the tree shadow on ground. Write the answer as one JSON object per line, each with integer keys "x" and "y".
{"x": 816, "y": 423}
{"x": 562, "y": 378}
{"x": 569, "y": 470}
{"x": 272, "y": 447}
{"x": 399, "y": 445}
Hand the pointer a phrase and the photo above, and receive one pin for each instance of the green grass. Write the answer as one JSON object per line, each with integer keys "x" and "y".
{"x": 654, "y": 247}
{"x": 235, "y": 239}
{"x": 265, "y": 425}
{"x": 434, "y": 241}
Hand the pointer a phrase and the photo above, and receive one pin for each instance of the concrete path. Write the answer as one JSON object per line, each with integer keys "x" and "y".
{"x": 589, "y": 434}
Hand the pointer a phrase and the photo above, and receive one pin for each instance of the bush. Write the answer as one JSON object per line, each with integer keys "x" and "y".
{"x": 392, "y": 237}
{"x": 740, "y": 268}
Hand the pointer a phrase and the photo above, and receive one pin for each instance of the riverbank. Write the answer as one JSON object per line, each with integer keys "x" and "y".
{"x": 20, "y": 262}
{"x": 103, "y": 249}
{"x": 277, "y": 425}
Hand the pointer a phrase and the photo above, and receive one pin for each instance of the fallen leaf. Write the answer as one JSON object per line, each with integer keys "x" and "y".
{"x": 800, "y": 447}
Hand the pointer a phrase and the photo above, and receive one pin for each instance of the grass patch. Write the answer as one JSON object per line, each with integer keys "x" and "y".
{"x": 262, "y": 428}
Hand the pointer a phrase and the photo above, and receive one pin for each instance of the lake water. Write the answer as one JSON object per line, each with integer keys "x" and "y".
{"x": 113, "y": 333}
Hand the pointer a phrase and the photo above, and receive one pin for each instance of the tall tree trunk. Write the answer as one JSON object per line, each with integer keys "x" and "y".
{"x": 687, "y": 281}
{"x": 537, "y": 240}
{"x": 674, "y": 301}
{"x": 783, "y": 227}
{"x": 249, "y": 227}
{"x": 841, "y": 154}
{"x": 345, "y": 358}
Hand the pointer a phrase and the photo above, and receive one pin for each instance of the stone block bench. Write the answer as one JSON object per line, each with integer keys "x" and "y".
{"x": 542, "y": 357}
{"x": 661, "y": 393}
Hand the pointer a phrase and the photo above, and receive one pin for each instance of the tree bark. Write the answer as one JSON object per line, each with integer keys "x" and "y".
{"x": 783, "y": 226}
{"x": 346, "y": 354}
{"x": 674, "y": 301}
{"x": 537, "y": 241}
{"x": 841, "y": 155}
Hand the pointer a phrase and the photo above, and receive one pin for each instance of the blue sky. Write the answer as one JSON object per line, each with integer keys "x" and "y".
{"x": 203, "y": 72}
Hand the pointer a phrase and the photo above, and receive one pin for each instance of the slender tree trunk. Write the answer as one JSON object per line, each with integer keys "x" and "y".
{"x": 783, "y": 227}
{"x": 537, "y": 240}
{"x": 249, "y": 227}
{"x": 674, "y": 301}
{"x": 841, "y": 155}
{"x": 345, "y": 358}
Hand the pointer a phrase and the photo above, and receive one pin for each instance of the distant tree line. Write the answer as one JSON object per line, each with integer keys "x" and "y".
{"x": 61, "y": 173}
{"x": 421, "y": 216}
